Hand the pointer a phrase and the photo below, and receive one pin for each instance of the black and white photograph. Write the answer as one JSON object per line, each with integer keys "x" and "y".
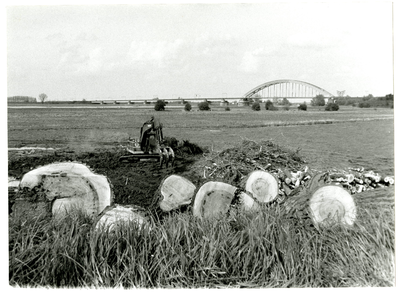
{"x": 200, "y": 145}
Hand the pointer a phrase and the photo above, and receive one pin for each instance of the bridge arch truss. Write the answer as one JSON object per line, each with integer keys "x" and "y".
{"x": 287, "y": 88}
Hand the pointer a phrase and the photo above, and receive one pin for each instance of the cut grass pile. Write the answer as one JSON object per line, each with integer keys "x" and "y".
{"x": 264, "y": 249}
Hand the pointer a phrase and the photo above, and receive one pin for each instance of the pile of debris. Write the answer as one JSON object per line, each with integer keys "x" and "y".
{"x": 357, "y": 180}
{"x": 235, "y": 164}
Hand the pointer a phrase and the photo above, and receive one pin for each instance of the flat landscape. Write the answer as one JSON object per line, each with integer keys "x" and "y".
{"x": 264, "y": 249}
{"x": 351, "y": 137}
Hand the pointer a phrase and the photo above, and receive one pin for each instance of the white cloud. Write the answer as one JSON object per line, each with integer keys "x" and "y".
{"x": 86, "y": 37}
{"x": 71, "y": 57}
{"x": 54, "y": 37}
{"x": 93, "y": 63}
{"x": 252, "y": 60}
{"x": 91, "y": 60}
{"x": 159, "y": 54}
{"x": 79, "y": 61}
{"x": 315, "y": 40}
{"x": 218, "y": 44}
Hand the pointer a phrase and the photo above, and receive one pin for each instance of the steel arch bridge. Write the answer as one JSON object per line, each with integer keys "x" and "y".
{"x": 287, "y": 88}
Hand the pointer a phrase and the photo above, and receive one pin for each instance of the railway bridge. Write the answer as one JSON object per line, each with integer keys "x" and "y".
{"x": 294, "y": 90}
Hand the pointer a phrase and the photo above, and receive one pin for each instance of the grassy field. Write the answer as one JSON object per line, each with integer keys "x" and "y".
{"x": 263, "y": 249}
{"x": 349, "y": 137}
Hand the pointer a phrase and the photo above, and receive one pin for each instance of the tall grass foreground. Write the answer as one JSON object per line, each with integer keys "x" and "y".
{"x": 264, "y": 249}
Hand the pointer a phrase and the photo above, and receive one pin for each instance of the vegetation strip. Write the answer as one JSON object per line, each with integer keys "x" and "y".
{"x": 301, "y": 123}
{"x": 262, "y": 249}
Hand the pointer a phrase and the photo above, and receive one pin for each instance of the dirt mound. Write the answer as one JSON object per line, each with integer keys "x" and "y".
{"x": 184, "y": 147}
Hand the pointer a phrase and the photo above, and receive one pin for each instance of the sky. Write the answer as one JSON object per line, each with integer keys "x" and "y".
{"x": 131, "y": 51}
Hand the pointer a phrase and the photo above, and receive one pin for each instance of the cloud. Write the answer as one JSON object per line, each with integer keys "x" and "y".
{"x": 211, "y": 45}
{"x": 71, "y": 57}
{"x": 84, "y": 61}
{"x": 168, "y": 57}
{"x": 158, "y": 54}
{"x": 54, "y": 37}
{"x": 252, "y": 60}
{"x": 314, "y": 39}
{"x": 202, "y": 57}
{"x": 94, "y": 62}
{"x": 83, "y": 36}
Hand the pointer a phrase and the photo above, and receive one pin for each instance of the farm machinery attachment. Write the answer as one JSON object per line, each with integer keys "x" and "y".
{"x": 150, "y": 146}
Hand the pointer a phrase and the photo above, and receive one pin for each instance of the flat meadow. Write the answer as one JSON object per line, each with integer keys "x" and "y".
{"x": 252, "y": 249}
{"x": 349, "y": 137}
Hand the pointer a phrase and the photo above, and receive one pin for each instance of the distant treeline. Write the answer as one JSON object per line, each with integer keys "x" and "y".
{"x": 28, "y": 99}
{"x": 367, "y": 101}
{"x": 21, "y": 99}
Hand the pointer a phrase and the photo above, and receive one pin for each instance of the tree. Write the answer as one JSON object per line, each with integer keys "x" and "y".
{"x": 204, "y": 106}
{"x": 332, "y": 107}
{"x": 284, "y": 101}
{"x": 318, "y": 100}
{"x": 269, "y": 106}
{"x": 368, "y": 97}
{"x": 256, "y": 106}
{"x": 160, "y": 105}
{"x": 42, "y": 97}
{"x": 302, "y": 107}
{"x": 364, "y": 104}
{"x": 188, "y": 107}
{"x": 389, "y": 97}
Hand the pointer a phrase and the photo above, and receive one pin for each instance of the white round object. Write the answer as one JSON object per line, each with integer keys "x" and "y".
{"x": 213, "y": 199}
{"x": 247, "y": 202}
{"x": 262, "y": 185}
{"x": 332, "y": 204}
{"x": 70, "y": 186}
{"x": 176, "y": 191}
{"x": 34, "y": 177}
